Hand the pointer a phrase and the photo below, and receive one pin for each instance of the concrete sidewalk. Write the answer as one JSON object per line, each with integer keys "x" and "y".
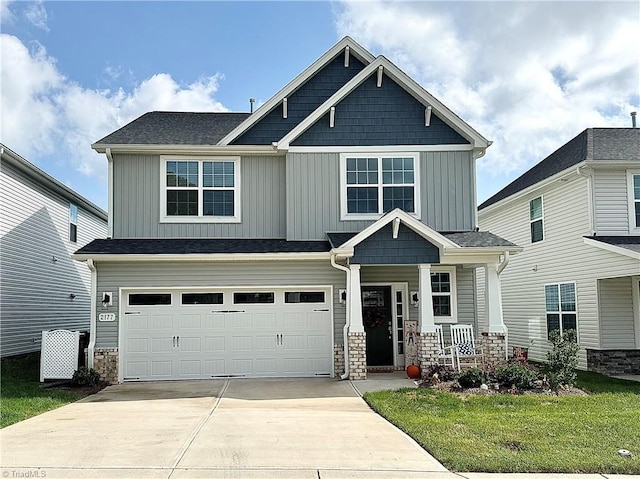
{"x": 241, "y": 428}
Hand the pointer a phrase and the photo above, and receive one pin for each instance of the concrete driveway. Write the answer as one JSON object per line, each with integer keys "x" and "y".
{"x": 240, "y": 428}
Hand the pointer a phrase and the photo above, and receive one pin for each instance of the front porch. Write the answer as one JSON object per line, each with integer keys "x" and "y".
{"x": 403, "y": 279}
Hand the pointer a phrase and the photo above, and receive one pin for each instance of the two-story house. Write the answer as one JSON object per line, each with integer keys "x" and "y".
{"x": 321, "y": 235}
{"x": 577, "y": 215}
{"x": 42, "y": 222}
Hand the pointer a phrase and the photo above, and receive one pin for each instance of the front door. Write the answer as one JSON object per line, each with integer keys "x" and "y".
{"x": 377, "y": 317}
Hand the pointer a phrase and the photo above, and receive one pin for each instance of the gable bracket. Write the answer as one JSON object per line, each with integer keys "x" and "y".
{"x": 346, "y": 56}
{"x": 332, "y": 117}
{"x": 396, "y": 227}
{"x": 284, "y": 107}
{"x": 427, "y": 115}
{"x": 380, "y": 72}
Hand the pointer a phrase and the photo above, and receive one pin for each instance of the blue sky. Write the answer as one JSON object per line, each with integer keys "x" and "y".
{"x": 528, "y": 76}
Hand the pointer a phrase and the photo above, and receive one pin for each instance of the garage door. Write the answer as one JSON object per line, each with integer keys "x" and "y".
{"x": 240, "y": 333}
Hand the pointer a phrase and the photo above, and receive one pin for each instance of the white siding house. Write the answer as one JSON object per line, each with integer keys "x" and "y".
{"x": 42, "y": 222}
{"x": 580, "y": 267}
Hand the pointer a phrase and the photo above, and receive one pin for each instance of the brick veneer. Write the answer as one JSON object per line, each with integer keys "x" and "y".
{"x": 614, "y": 362}
{"x": 427, "y": 351}
{"x": 494, "y": 347}
{"x": 338, "y": 360}
{"x": 357, "y": 356}
{"x": 105, "y": 362}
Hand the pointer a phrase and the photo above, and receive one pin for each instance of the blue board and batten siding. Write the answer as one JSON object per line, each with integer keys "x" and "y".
{"x": 447, "y": 194}
{"x": 38, "y": 275}
{"x": 385, "y": 115}
{"x": 382, "y": 248}
{"x": 136, "y": 186}
{"x": 302, "y": 102}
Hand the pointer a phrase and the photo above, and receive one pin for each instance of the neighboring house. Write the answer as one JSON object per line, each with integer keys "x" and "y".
{"x": 577, "y": 215}
{"x": 42, "y": 222}
{"x": 321, "y": 227}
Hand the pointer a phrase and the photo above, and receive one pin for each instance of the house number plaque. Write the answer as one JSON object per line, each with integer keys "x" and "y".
{"x": 107, "y": 317}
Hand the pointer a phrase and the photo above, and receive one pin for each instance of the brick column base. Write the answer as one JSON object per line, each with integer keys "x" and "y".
{"x": 338, "y": 360}
{"x": 105, "y": 363}
{"x": 494, "y": 347}
{"x": 357, "y": 356}
{"x": 427, "y": 351}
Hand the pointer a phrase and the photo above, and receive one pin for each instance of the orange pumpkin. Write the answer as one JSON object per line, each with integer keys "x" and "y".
{"x": 413, "y": 371}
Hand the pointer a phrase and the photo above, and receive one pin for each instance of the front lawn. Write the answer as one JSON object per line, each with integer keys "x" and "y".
{"x": 21, "y": 396}
{"x": 522, "y": 433}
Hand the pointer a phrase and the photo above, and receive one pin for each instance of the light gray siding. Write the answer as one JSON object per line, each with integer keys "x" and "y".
{"x": 37, "y": 274}
{"x": 136, "y": 192}
{"x": 616, "y": 314}
{"x": 313, "y": 194}
{"x": 113, "y": 276}
{"x": 611, "y": 202}
{"x": 561, "y": 257}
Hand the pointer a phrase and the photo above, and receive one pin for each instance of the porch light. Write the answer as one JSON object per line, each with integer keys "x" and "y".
{"x": 342, "y": 293}
{"x": 106, "y": 300}
{"x": 415, "y": 298}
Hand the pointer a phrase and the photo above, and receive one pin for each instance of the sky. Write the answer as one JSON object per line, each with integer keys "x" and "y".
{"x": 528, "y": 76}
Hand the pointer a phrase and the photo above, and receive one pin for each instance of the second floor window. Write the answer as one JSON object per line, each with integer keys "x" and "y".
{"x": 201, "y": 190}
{"x": 560, "y": 300}
{"x": 536, "y": 219}
{"x": 634, "y": 202}
{"x": 374, "y": 185}
{"x": 73, "y": 223}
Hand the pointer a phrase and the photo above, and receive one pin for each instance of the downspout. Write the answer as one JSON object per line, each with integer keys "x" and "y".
{"x": 94, "y": 296}
{"x": 345, "y": 330}
{"x": 109, "y": 193}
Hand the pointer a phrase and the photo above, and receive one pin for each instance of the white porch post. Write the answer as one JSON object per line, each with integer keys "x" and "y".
{"x": 425, "y": 301}
{"x": 493, "y": 299}
{"x": 355, "y": 300}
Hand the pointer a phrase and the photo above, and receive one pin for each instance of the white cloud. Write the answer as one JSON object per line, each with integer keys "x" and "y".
{"x": 42, "y": 111}
{"x": 527, "y": 75}
{"x": 37, "y": 14}
{"x": 6, "y": 16}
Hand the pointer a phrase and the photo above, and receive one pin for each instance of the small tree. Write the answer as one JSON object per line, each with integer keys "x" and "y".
{"x": 562, "y": 360}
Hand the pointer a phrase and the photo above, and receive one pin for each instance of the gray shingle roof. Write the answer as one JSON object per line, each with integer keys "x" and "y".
{"x": 175, "y": 128}
{"x": 466, "y": 239}
{"x": 592, "y": 144}
{"x": 201, "y": 246}
{"x": 631, "y": 243}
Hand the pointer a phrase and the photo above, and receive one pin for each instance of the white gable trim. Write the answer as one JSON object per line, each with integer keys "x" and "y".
{"x": 419, "y": 93}
{"x": 423, "y": 230}
{"x": 347, "y": 42}
{"x": 612, "y": 248}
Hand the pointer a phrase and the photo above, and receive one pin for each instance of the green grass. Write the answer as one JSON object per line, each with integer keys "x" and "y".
{"x": 21, "y": 396}
{"x": 598, "y": 383}
{"x": 528, "y": 433}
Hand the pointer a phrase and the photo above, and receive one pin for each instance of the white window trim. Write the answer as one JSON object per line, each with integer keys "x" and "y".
{"x": 164, "y": 218}
{"x": 632, "y": 213}
{"x": 559, "y": 312}
{"x": 454, "y": 294}
{"x": 344, "y": 216}
{"x": 544, "y": 234}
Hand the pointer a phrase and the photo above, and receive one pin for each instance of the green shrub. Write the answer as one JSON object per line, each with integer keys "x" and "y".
{"x": 516, "y": 375}
{"x": 472, "y": 378}
{"x": 85, "y": 377}
{"x": 562, "y": 360}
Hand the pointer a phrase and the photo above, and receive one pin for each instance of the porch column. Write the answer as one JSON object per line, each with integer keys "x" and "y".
{"x": 357, "y": 337}
{"x": 425, "y": 301}
{"x": 494, "y": 340}
{"x": 427, "y": 338}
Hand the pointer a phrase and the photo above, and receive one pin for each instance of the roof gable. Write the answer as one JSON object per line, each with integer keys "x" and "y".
{"x": 354, "y": 49}
{"x": 384, "y": 115}
{"x": 381, "y": 64}
{"x": 302, "y": 102}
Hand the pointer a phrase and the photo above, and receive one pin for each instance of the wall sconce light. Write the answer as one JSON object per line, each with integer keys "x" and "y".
{"x": 342, "y": 294}
{"x": 415, "y": 298}
{"x": 72, "y": 296}
{"x": 107, "y": 299}
{"x": 54, "y": 259}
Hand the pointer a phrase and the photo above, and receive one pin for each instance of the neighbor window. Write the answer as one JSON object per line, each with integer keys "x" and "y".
{"x": 536, "y": 220}
{"x": 634, "y": 202}
{"x": 73, "y": 223}
{"x": 201, "y": 190}
{"x": 374, "y": 185}
{"x": 561, "y": 308}
{"x": 443, "y": 294}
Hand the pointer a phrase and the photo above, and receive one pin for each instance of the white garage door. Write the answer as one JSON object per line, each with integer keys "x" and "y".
{"x": 206, "y": 334}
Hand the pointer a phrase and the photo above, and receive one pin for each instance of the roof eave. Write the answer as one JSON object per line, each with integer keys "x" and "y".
{"x": 282, "y": 256}
{"x": 612, "y": 248}
{"x": 177, "y": 148}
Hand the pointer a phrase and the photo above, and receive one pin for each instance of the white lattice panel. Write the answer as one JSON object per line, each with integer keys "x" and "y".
{"x": 59, "y": 357}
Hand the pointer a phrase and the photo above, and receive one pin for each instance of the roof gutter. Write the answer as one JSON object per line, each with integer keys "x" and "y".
{"x": 192, "y": 149}
{"x": 202, "y": 257}
{"x": 92, "y": 328}
{"x": 345, "y": 330}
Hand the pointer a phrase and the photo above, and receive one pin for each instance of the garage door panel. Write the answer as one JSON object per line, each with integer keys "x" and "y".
{"x": 239, "y": 322}
{"x": 161, "y": 369}
{"x": 190, "y": 321}
{"x": 264, "y": 342}
{"x": 242, "y": 367}
{"x": 265, "y": 366}
{"x": 215, "y": 322}
{"x": 162, "y": 322}
{"x": 263, "y": 321}
{"x": 214, "y": 344}
{"x": 137, "y": 345}
{"x": 214, "y": 367}
{"x": 190, "y": 368}
{"x": 137, "y": 323}
{"x": 136, "y": 369}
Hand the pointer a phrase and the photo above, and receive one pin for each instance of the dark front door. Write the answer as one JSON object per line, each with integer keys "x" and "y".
{"x": 377, "y": 318}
